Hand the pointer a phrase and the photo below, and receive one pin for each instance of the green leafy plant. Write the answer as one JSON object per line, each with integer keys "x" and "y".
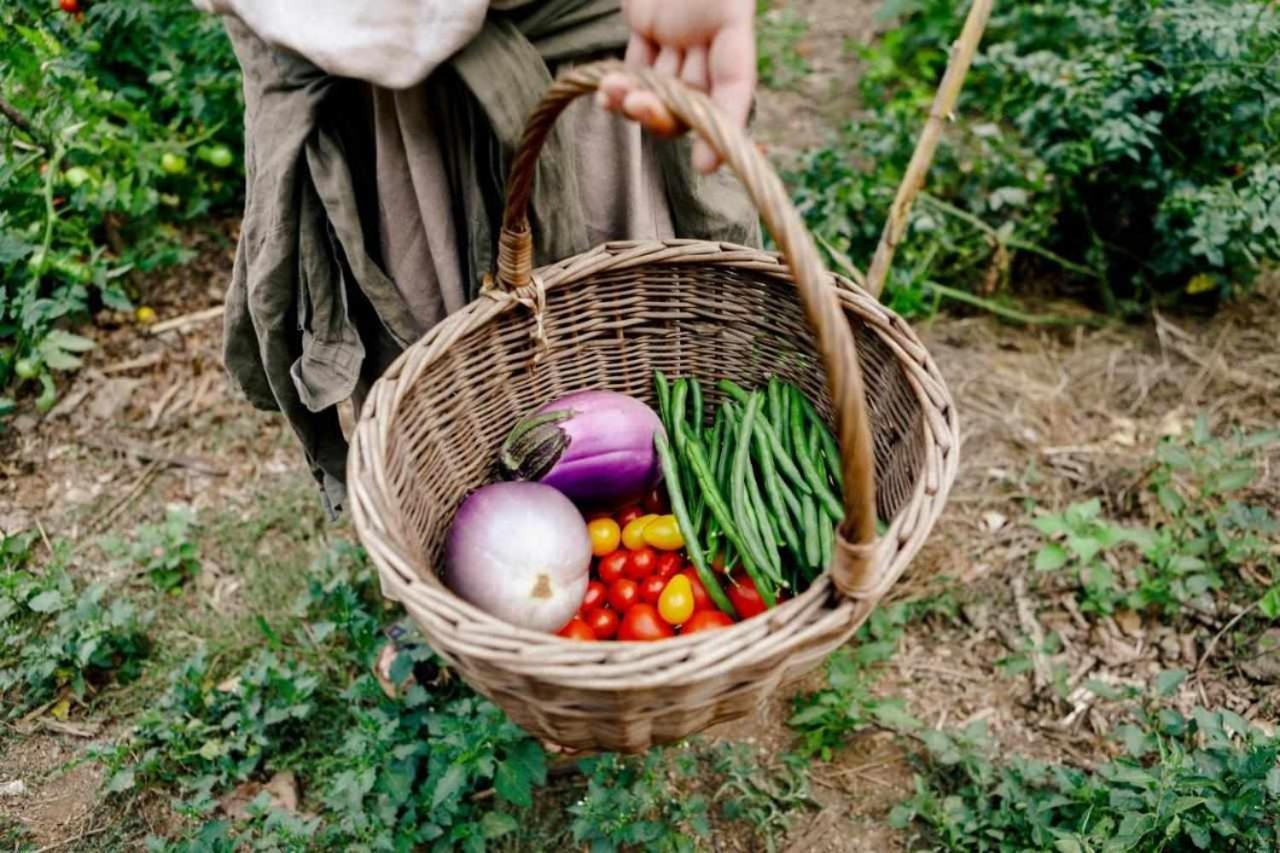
{"x": 824, "y": 719}
{"x": 766, "y": 797}
{"x": 381, "y": 772}
{"x": 1203, "y": 542}
{"x": 58, "y": 637}
{"x": 1081, "y": 543}
{"x": 628, "y": 803}
{"x": 1204, "y": 782}
{"x": 121, "y": 124}
{"x": 165, "y": 551}
{"x": 1118, "y": 149}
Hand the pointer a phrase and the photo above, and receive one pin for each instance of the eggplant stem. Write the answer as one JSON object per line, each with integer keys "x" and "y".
{"x": 524, "y": 440}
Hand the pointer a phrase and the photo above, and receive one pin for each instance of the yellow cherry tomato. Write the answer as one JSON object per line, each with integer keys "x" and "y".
{"x": 633, "y": 533}
{"x": 663, "y": 533}
{"x": 605, "y": 535}
{"x": 146, "y": 315}
{"x": 675, "y": 605}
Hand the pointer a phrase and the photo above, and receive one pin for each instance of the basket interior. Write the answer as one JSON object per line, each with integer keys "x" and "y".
{"x": 611, "y": 330}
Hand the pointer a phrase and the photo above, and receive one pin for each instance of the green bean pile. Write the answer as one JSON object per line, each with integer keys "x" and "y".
{"x": 755, "y": 485}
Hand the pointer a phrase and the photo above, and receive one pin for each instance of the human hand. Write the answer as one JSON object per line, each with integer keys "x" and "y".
{"x": 709, "y": 44}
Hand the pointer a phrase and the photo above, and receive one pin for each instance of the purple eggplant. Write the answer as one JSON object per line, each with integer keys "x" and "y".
{"x": 594, "y": 446}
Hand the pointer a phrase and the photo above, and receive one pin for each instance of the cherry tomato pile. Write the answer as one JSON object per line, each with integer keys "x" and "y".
{"x": 642, "y": 586}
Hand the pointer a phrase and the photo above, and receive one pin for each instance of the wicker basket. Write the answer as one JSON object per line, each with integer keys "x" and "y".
{"x": 607, "y": 319}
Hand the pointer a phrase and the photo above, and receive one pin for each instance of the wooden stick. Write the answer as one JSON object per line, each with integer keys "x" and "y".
{"x": 179, "y": 323}
{"x": 943, "y": 102}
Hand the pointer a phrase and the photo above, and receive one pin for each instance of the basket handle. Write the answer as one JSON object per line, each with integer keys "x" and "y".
{"x": 851, "y": 563}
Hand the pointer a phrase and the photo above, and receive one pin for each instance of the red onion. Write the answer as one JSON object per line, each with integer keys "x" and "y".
{"x": 595, "y": 446}
{"x": 520, "y": 552}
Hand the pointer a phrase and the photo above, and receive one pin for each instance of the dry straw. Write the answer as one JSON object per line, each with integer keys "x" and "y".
{"x": 609, "y": 318}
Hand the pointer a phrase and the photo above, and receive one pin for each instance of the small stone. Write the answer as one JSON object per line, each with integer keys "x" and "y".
{"x": 13, "y": 788}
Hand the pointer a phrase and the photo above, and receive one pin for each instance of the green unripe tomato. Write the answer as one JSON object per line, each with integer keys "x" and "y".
{"x": 26, "y": 368}
{"x": 218, "y": 156}
{"x": 76, "y": 176}
{"x": 173, "y": 164}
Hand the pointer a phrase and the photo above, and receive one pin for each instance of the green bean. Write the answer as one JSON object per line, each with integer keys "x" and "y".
{"x": 826, "y": 541}
{"x": 723, "y": 515}
{"x": 776, "y": 416}
{"x": 799, "y": 441}
{"x": 695, "y": 400}
{"x": 734, "y": 390}
{"x": 679, "y": 392}
{"x": 738, "y": 495}
{"x": 768, "y": 537}
{"x": 726, "y": 455}
{"x": 663, "y": 390}
{"x": 676, "y": 497}
{"x": 830, "y": 449}
{"x": 812, "y": 544}
{"x": 773, "y": 489}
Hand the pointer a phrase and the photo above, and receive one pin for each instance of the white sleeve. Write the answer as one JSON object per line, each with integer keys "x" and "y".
{"x": 390, "y": 43}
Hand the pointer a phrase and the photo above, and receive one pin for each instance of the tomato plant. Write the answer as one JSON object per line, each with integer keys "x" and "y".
{"x": 112, "y": 98}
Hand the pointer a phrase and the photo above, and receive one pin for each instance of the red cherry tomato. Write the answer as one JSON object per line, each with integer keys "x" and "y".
{"x": 594, "y": 597}
{"x": 641, "y": 563}
{"x": 655, "y": 502}
{"x": 651, "y": 589}
{"x": 669, "y": 563}
{"x": 623, "y": 593}
{"x": 602, "y": 622}
{"x": 71, "y": 7}
{"x": 612, "y": 567}
{"x": 744, "y": 598}
{"x": 706, "y": 620}
{"x": 642, "y": 622}
{"x": 701, "y": 600}
{"x": 577, "y": 630}
{"x": 626, "y": 515}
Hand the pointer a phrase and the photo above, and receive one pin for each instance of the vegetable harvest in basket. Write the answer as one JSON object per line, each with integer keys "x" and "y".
{"x": 695, "y": 517}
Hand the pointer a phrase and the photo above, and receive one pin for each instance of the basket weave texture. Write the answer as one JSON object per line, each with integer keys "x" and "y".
{"x": 609, "y": 318}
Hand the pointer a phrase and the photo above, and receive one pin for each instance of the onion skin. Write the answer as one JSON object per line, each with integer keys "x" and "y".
{"x": 520, "y": 552}
{"x": 595, "y": 446}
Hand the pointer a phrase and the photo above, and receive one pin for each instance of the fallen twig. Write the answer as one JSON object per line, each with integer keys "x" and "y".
{"x": 186, "y": 320}
{"x": 112, "y": 512}
{"x": 147, "y": 360}
{"x": 1208, "y": 650}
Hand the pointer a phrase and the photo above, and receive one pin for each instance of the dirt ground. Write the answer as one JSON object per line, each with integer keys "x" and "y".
{"x": 1047, "y": 417}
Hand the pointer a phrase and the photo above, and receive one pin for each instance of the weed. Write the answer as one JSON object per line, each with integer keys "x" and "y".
{"x": 166, "y": 551}
{"x": 763, "y": 796}
{"x": 825, "y": 718}
{"x": 1204, "y": 782}
{"x": 1205, "y": 540}
{"x": 629, "y": 801}
{"x": 382, "y": 772}
{"x": 58, "y": 636}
